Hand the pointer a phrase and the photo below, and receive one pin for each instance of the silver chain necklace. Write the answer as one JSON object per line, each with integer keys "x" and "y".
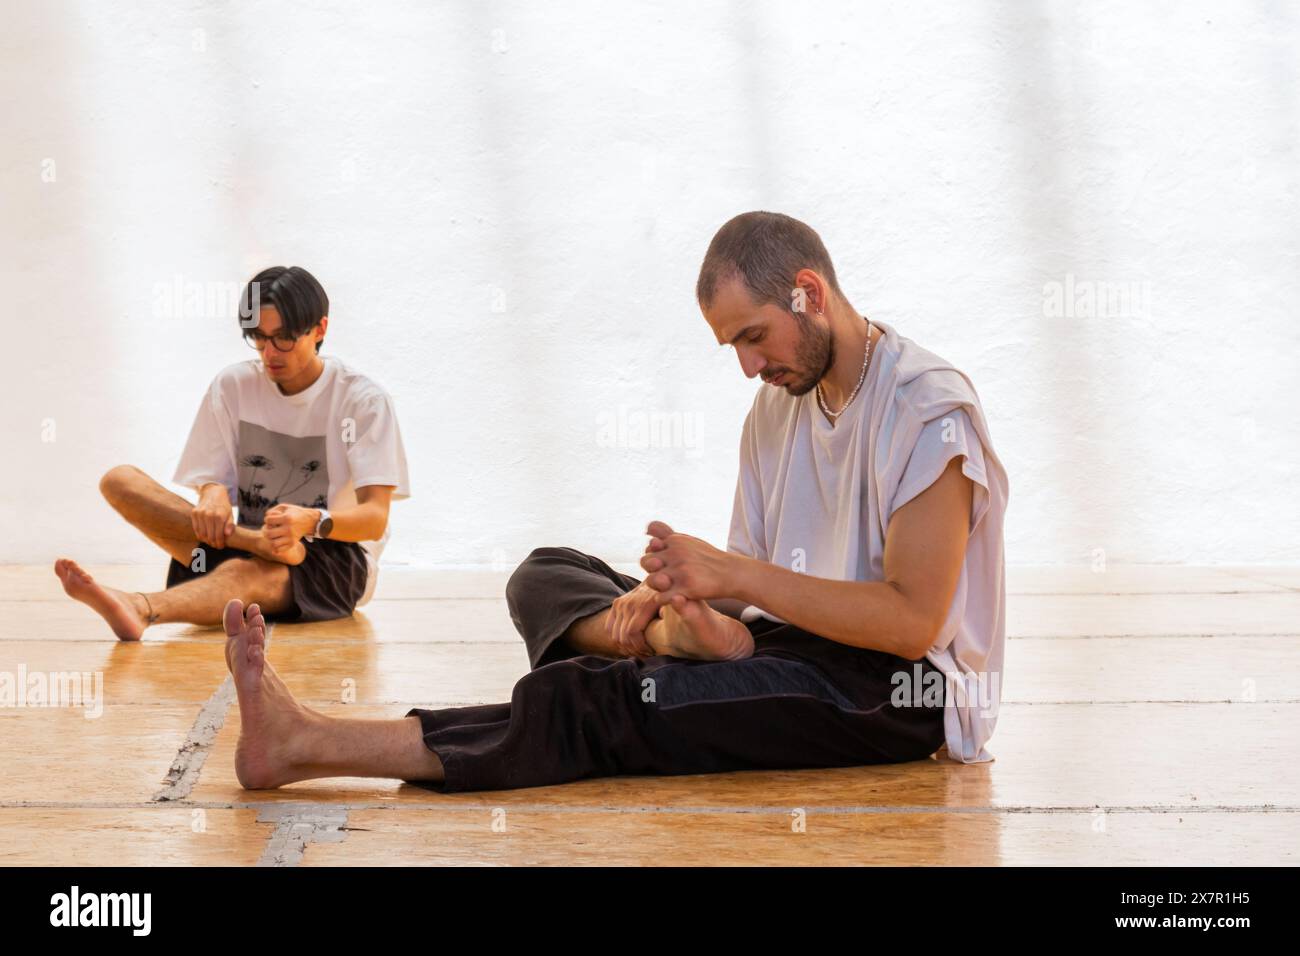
{"x": 866, "y": 360}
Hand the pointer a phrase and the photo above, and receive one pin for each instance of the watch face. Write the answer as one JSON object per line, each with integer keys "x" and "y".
{"x": 326, "y": 526}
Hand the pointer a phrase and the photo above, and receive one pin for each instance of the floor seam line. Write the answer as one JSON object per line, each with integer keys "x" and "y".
{"x": 297, "y": 826}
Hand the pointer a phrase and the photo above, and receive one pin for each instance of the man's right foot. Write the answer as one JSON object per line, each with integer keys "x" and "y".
{"x": 272, "y": 725}
{"x": 693, "y": 629}
{"x": 116, "y": 607}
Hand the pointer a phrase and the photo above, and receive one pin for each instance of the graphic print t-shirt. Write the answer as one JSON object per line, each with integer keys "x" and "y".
{"x": 312, "y": 449}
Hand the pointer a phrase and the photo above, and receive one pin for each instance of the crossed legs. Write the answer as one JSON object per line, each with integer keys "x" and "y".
{"x": 164, "y": 518}
{"x": 580, "y": 717}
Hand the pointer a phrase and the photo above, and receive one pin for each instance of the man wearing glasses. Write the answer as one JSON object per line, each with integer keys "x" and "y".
{"x": 308, "y": 449}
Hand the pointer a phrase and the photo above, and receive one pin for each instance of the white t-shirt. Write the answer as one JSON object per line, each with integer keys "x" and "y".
{"x": 818, "y": 499}
{"x": 311, "y": 449}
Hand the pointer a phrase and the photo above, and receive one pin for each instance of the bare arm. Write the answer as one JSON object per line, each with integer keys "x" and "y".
{"x": 368, "y": 520}
{"x": 365, "y": 521}
{"x": 924, "y": 549}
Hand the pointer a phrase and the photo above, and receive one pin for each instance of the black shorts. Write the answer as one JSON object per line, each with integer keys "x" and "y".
{"x": 326, "y": 585}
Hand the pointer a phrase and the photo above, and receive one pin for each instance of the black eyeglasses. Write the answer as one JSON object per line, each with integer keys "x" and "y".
{"x": 283, "y": 341}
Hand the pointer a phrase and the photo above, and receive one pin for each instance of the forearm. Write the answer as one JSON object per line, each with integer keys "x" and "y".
{"x": 871, "y": 614}
{"x": 362, "y": 522}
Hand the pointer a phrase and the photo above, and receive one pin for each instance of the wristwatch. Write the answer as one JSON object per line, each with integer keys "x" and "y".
{"x": 324, "y": 526}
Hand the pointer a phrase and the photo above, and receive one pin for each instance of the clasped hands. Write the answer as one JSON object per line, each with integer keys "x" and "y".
{"x": 681, "y": 568}
{"x": 283, "y": 526}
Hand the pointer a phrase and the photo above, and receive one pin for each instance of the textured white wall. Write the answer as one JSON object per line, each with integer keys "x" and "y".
{"x": 508, "y": 203}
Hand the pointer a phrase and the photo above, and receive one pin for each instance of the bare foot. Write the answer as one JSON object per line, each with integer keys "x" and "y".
{"x": 272, "y": 725}
{"x": 294, "y": 554}
{"x": 693, "y": 629}
{"x": 124, "y": 612}
{"x": 255, "y": 541}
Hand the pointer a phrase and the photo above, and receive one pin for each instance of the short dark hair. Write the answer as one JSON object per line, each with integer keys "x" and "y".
{"x": 765, "y": 250}
{"x": 295, "y": 293}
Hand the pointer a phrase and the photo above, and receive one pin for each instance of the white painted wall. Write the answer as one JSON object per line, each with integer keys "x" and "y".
{"x": 569, "y": 163}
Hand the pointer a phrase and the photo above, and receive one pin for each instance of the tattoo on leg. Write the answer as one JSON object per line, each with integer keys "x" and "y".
{"x": 150, "y": 616}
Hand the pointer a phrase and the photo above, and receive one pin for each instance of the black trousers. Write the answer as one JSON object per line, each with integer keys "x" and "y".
{"x": 799, "y": 701}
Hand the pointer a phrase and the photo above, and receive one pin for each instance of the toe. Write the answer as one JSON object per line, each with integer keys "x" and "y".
{"x": 233, "y": 617}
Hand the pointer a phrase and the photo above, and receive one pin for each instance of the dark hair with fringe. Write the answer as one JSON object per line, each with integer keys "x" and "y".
{"x": 295, "y": 293}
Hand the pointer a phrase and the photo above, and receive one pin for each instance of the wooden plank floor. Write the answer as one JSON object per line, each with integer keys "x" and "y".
{"x": 1149, "y": 717}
